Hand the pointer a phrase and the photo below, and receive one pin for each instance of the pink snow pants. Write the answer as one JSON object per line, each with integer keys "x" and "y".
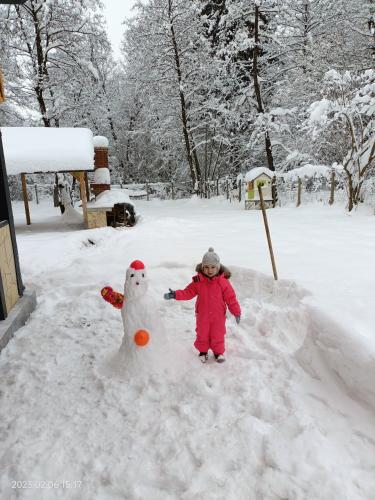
{"x": 210, "y": 334}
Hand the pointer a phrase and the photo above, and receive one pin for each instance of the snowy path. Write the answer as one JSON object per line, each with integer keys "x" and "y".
{"x": 289, "y": 416}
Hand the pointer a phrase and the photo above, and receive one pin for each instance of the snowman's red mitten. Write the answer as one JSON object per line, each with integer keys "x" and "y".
{"x": 114, "y": 298}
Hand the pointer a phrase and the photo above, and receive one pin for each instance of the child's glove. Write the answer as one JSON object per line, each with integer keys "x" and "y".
{"x": 238, "y": 319}
{"x": 170, "y": 295}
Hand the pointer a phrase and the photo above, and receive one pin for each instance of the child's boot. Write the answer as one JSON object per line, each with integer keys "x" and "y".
{"x": 220, "y": 358}
{"x": 203, "y": 356}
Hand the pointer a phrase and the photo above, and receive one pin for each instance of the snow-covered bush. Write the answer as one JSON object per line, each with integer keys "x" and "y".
{"x": 314, "y": 177}
{"x": 294, "y": 160}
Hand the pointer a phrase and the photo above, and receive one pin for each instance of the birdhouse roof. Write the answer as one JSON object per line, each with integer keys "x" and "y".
{"x": 256, "y": 172}
{"x": 47, "y": 149}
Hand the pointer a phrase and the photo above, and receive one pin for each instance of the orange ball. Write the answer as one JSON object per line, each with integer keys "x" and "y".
{"x": 141, "y": 337}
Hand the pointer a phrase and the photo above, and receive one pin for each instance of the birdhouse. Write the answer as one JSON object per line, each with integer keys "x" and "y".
{"x": 258, "y": 177}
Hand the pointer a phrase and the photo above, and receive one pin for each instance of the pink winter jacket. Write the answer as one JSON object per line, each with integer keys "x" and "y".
{"x": 214, "y": 295}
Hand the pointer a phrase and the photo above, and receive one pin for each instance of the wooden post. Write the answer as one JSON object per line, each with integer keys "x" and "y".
{"x": 274, "y": 191}
{"x": 147, "y": 192}
{"x": 332, "y": 196}
{"x": 227, "y": 190}
{"x": 36, "y": 194}
{"x": 267, "y": 232}
{"x": 25, "y": 199}
{"x": 87, "y": 187}
{"x": 82, "y": 190}
{"x": 2, "y": 93}
{"x": 172, "y": 190}
{"x": 217, "y": 187}
{"x": 239, "y": 190}
{"x": 299, "y": 189}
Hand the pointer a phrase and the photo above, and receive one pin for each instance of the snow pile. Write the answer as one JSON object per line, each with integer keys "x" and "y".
{"x": 71, "y": 215}
{"x": 45, "y": 149}
{"x": 110, "y": 197}
{"x": 102, "y": 176}
{"x": 100, "y": 141}
{"x": 351, "y": 362}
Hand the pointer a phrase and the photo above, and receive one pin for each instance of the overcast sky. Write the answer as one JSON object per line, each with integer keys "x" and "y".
{"x": 116, "y": 11}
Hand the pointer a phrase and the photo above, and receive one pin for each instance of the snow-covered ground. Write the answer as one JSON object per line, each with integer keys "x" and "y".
{"x": 290, "y": 415}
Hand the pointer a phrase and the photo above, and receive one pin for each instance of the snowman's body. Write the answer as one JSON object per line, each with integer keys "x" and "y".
{"x": 138, "y": 313}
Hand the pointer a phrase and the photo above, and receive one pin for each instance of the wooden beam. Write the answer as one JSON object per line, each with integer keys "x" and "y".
{"x": 87, "y": 186}
{"x": 76, "y": 175}
{"x": 25, "y": 199}
{"x": 82, "y": 190}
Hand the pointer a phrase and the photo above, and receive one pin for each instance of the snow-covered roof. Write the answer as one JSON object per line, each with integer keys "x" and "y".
{"x": 256, "y": 172}
{"x": 45, "y": 149}
{"x": 110, "y": 197}
{"x": 100, "y": 141}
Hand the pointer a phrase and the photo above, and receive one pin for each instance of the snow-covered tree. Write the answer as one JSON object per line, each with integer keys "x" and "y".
{"x": 46, "y": 43}
{"x": 238, "y": 33}
{"x": 158, "y": 48}
{"x": 348, "y": 109}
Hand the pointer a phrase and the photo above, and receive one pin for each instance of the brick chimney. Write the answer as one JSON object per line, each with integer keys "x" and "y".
{"x": 102, "y": 179}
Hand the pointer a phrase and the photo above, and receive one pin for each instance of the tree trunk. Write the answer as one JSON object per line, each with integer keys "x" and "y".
{"x": 257, "y": 89}
{"x": 350, "y": 190}
{"x": 112, "y": 128}
{"x": 42, "y": 73}
{"x": 39, "y": 64}
{"x": 127, "y": 168}
{"x": 190, "y": 153}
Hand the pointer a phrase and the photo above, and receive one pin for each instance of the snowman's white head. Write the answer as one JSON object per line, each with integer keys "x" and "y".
{"x": 136, "y": 282}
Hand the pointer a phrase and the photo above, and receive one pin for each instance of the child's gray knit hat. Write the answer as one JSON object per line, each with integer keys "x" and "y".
{"x": 211, "y": 258}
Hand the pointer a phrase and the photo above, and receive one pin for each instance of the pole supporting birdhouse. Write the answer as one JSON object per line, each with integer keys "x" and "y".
{"x": 25, "y": 199}
{"x": 267, "y": 232}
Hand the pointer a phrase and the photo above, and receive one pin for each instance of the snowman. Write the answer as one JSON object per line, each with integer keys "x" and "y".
{"x": 141, "y": 343}
{"x": 143, "y": 348}
{"x": 135, "y": 309}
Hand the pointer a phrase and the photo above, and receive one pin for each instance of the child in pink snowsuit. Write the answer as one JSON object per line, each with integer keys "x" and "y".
{"x": 214, "y": 294}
